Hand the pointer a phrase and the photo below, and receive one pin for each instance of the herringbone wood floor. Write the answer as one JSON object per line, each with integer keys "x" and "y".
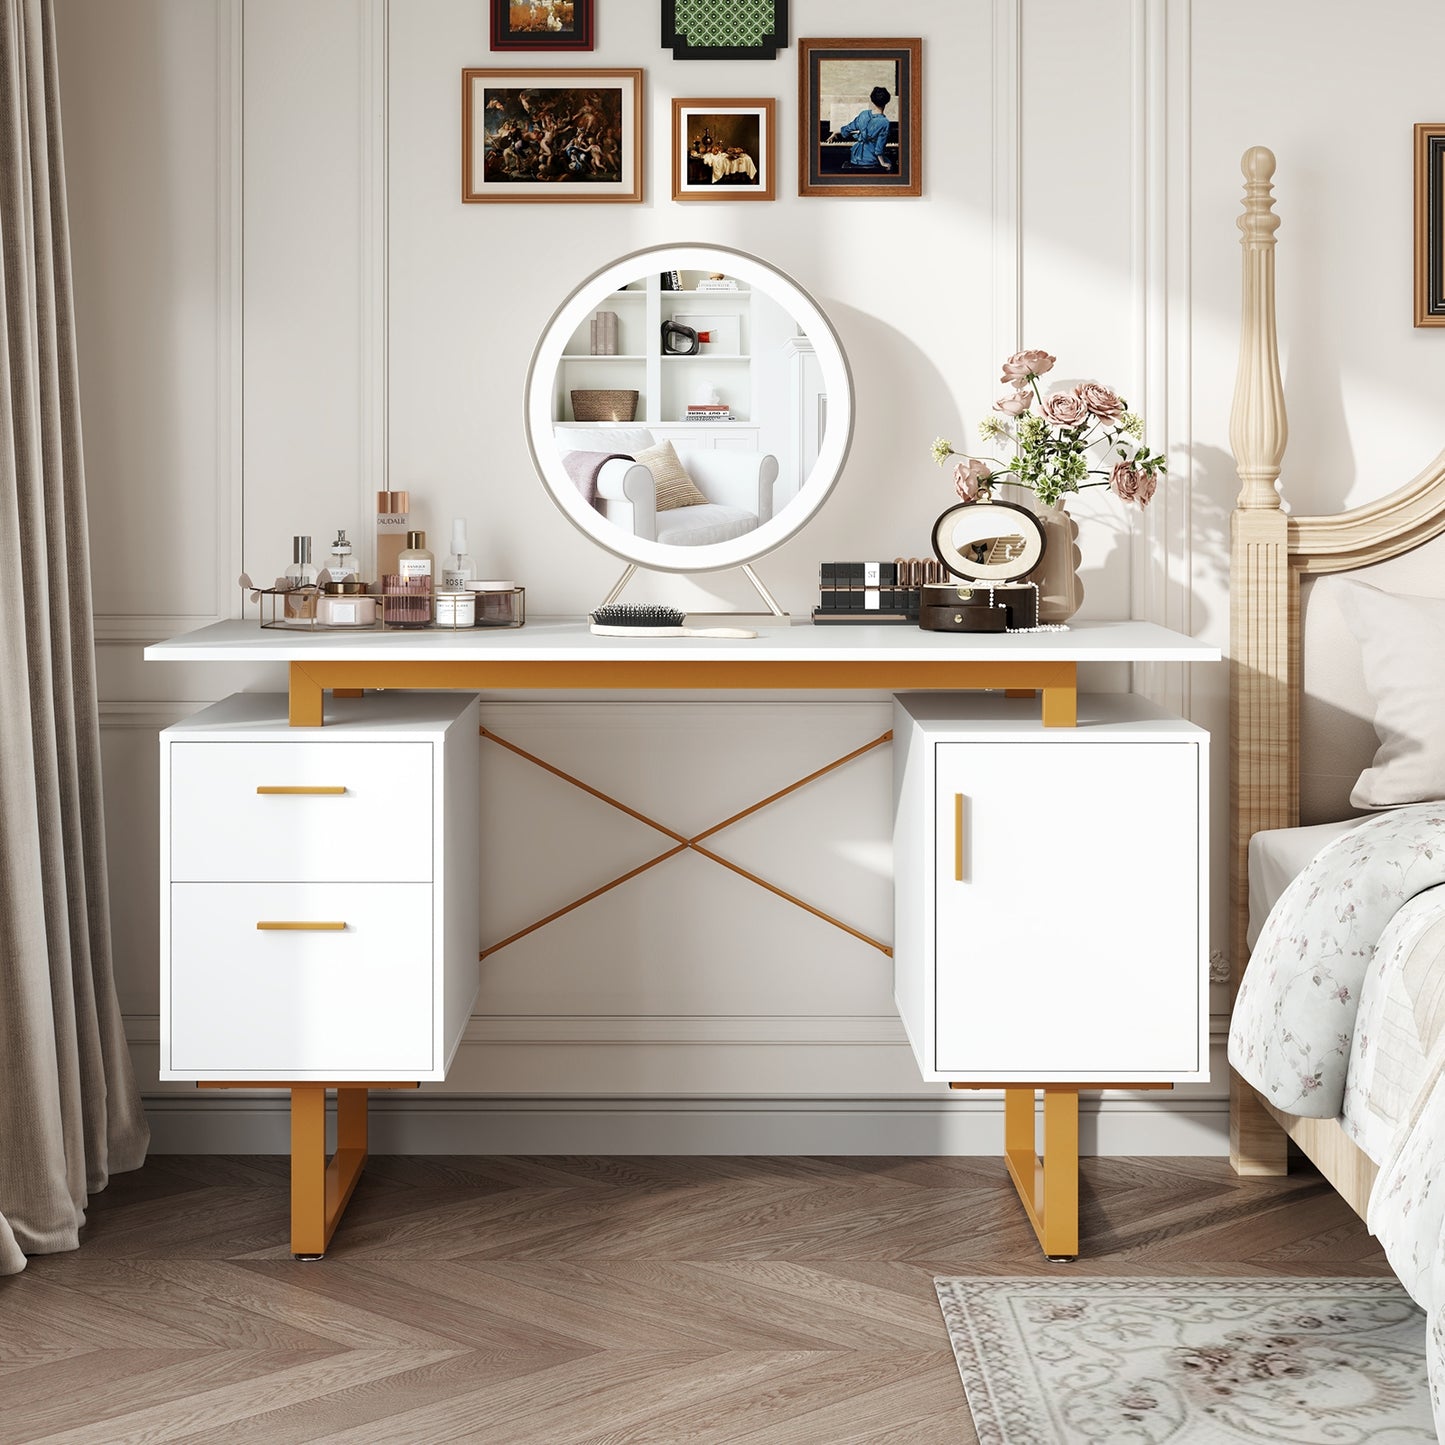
{"x": 584, "y": 1299}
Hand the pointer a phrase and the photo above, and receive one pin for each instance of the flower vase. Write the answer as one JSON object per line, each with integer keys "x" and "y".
{"x": 1061, "y": 593}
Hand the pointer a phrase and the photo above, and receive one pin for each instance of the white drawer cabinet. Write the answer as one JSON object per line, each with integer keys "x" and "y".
{"x": 319, "y": 910}
{"x": 1050, "y": 888}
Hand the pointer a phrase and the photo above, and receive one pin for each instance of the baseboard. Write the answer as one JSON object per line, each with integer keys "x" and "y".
{"x": 432, "y": 1124}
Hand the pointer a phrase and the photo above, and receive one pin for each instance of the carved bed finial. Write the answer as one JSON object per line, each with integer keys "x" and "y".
{"x": 1258, "y": 427}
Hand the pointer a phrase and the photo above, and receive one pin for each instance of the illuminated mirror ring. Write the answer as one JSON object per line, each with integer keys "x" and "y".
{"x": 1003, "y": 540}
{"x": 561, "y": 355}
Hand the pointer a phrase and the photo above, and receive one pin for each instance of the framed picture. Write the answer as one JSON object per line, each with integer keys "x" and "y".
{"x": 723, "y": 150}
{"x": 860, "y": 106}
{"x": 1430, "y": 225}
{"x": 724, "y": 29}
{"x": 542, "y": 24}
{"x": 551, "y": 135}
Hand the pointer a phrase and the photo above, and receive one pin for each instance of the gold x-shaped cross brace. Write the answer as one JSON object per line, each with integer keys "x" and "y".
{"x": 681, "y": 844}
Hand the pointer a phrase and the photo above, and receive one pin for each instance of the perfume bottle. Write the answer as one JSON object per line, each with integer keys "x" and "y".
{"x": 341, "y": 564}
{"x": 300, "y": 574}
{"x": 408, "y": 590}
{"x": 458, "y": 570}
{"x": 392, "y": 519}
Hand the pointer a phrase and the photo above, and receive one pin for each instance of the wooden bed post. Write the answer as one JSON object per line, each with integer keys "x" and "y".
{"x": 1264, "y": 600}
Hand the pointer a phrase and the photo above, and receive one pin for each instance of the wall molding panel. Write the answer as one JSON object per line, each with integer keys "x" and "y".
{"x": 1162, "y": 550}
{"x": 330, "y": 198}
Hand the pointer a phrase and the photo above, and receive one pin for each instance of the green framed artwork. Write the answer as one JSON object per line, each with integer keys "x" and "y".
{"x": 724, "y": 29}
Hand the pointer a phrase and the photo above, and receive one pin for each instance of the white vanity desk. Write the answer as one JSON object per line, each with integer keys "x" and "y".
{"x": 561, "y": 654}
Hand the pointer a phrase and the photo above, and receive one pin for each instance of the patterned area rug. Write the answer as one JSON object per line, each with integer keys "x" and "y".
{"x": 1190, "y": 1361}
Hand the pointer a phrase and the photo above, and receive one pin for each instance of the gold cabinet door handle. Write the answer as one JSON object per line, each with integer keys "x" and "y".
{"x": 958, "y": 819}
{"x": 274, "y": 927}
{"x": 269, "y": 791}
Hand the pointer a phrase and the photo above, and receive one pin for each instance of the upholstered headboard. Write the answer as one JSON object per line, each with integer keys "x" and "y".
{"x": 1337, "y": 739}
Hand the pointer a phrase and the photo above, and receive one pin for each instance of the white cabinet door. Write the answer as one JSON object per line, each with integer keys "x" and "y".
{"x": 1067, "y": 909}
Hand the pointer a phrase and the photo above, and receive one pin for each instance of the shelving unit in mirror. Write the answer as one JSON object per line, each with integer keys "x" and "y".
{"x": 706, "y": 399}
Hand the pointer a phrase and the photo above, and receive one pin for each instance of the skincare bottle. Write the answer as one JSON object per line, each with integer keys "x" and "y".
{"x": 300, "y": 574}
{"x": 341, "y": 564}
{"x": 458, "y": 570}
{"x": 415, "y": 583}
{"x": 392, "y": 520}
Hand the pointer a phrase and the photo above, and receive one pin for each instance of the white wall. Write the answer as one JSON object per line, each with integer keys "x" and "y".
{"x": 283, "y": 305}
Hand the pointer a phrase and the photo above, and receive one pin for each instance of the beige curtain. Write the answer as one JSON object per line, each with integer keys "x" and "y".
{"x": 70, "y": 1115}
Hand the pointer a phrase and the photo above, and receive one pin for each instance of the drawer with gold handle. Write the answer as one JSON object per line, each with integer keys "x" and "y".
{"x": 309, "y": 810}
{"x": 267, "y": 976}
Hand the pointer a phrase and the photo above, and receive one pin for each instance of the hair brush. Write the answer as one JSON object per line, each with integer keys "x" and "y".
{"x": 629, "y": 619}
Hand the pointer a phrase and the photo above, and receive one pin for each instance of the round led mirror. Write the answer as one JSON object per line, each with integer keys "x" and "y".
{"x": 689, "y": 407}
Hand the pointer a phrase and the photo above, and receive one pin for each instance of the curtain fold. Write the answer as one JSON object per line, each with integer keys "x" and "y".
{"x": 70, "y": 1113}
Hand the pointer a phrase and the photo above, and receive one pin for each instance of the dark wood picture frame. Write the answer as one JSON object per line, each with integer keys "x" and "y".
{"x": 580, "y": 36}
{"x": 770, "y": 41}
{"x": 484, "y": 181}
{"x": 826, "y": 167}
{"x": 710, "y": 186}
{"x": 1430, "y": 224}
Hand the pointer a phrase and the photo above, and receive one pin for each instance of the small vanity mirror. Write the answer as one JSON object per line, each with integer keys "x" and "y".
{"x": 988, "y": 541}
{"x": 689, "y": 407}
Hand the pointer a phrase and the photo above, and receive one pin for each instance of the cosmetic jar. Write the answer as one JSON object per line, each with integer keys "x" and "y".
{"x": 345, "y": 604}
{"x": 406, "y": 601}
{"x": 456, "y": 609}
{"x": 499, "y": 604}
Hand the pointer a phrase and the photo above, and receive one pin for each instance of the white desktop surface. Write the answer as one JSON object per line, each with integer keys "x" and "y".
{"x": 567, "y": 639}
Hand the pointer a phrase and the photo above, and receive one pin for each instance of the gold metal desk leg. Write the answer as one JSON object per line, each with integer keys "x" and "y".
{"x": 1048, "y": 1186}
{"x": 309, "y": 1235}
{"x": 307, "y": 699}
{"x": 1061, "y": 707}
{"x": 320, "y": 1191}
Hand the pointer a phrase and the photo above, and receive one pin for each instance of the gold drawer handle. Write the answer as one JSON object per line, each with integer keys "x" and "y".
{"x": 958, "y": 837}
{"x": 271, "y": 792}
{"x": 266, "y": 927}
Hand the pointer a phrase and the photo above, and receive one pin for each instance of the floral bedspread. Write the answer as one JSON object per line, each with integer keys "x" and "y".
{"x": 1407, "y": 1215}
{"x": 1294, "y": 1018}
{"x": 1365, "y": 921}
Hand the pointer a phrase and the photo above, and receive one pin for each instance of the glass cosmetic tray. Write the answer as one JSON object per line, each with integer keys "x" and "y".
{"x": 311, "y": 609}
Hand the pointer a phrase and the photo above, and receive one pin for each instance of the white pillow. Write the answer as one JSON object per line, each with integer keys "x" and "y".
{"x": 1402, "y": 642}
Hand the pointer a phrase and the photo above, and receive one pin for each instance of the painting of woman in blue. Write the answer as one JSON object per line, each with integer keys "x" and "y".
{"x": 868, "y": 130}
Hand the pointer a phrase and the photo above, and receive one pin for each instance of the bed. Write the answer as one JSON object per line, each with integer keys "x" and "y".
{"x": 1337, "y": 731}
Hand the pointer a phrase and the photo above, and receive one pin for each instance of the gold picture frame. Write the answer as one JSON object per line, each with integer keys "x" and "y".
{"x": 840, "y": 83}
{"x": 1430, "y": 225}
{"x": 724, "y": 150}
{"x": 532, "y": 134}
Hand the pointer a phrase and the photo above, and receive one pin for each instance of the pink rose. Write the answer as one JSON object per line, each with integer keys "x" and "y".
{"x": 1103, "y": 402}
{"x": 1063, "y": 408}
{"x": 1125, "y": 481}
{"x": 1024, "y": 364}
{"x": 1133, "y": 484}
{"x": 1014, "y": 403}
{"x": 968, "y": 476}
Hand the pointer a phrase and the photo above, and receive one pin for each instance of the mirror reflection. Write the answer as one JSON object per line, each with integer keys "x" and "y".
{"x": 688, "y": 407}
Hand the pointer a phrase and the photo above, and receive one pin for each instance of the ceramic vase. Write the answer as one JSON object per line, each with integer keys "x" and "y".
{"x": 1061, "y": 593}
